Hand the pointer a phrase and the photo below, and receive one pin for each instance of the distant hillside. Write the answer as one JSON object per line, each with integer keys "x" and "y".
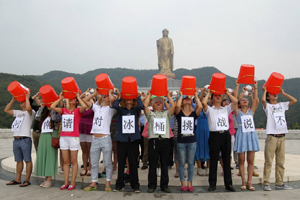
{"x": 87, "y": 80}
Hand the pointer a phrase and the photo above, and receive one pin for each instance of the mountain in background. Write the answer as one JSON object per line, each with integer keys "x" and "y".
{"x": 87, "y": 80}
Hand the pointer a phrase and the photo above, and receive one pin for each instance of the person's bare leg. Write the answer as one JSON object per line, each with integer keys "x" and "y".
{"x": 242, "y": 167}
{"x": 114, "y": 149}
{"x": 28, "y": 170}
{"x": 127, "y": 163}
{"x": 20, "y": 166}
{"x": 198, "y": 163}
{"x": 66, "y": 157}
{"x": 61, "y": 160}
{"x": 74, "y": 162}
{"x": 250, "y": 161}
{"x": 83, "y": 146}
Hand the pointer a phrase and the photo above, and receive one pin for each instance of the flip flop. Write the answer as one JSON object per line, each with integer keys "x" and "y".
{"x": 89, "y": 188}
{"x": 107, "y": 189}
{"x": 13, "y": 182}
{"x": 25, "y": 184}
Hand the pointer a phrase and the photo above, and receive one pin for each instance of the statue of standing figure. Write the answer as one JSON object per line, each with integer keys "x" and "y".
{"x": 165, "y": 53}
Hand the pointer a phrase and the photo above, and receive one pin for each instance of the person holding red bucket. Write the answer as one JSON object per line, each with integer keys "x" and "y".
{"x": 159, "y": 136}
{"x": 47, "y": 157}
{"x": 246, "y": 141}
{"x": 69, "y": 136}
{"x": 275, "y": 130}
{"x": 103, "y": 112}
{"x": 219, "y": 138}
{"x": 186, "y": 138}
{"x": 22, "y": 143}
{"x": 128, "y": 136}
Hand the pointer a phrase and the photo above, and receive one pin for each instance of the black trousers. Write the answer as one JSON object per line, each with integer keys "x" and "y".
{"x": 131, "y": 150}
{"x": 142, "y": 143}
{"x": 219, "y": 142}
{"x": 158, "y": 147}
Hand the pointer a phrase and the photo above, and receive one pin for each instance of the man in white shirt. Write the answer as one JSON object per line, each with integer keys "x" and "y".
{"x": 219, "y": 138}
{"x": 275, "y": 141}
{"x": 22, "y": 143}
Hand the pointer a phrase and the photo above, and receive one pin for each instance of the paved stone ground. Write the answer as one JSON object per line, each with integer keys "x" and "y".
{"x": 36, "y": 192}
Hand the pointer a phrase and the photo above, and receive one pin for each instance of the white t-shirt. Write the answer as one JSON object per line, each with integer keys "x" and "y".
{"x": 102, "y": 119}
{"x": 276, "y": 122}
{"x": 213, "y": 113}
{"x": 27, "y": 119}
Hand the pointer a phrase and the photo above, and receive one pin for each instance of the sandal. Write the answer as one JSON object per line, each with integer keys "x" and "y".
{"x": 89, "y": 188}
{"x": 251, "y": 188}
{"x": 107, "y": 189}
{"x": 243, "y": 187}
{"x": 176, "y": 175}
{"x": 83, "y": 173}
{"x": 25, "y": 184}
{"x": 13, "y": 182}
{"x": 88, "y": 173}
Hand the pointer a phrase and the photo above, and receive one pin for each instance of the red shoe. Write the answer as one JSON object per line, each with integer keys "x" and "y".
{"x": 71, "y": 187}
{"x": 190, "y": 189}
{"x": 183, "y": 188}
{"x": 63, "y": 187}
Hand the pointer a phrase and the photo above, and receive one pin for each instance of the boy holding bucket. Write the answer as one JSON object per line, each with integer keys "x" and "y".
{"x": 275, "y": 141}
{"x": 101, "y": 137}
{"x": 22, "y": 143}
{"x": 158, "y": 144}
{"x": 128, "y": 137}
{"x": 219, "y": 137}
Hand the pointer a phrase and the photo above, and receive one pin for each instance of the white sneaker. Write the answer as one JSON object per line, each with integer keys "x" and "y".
{"x": 283, "y": 187}
{"x": 200, "y": 172}
{"x": 158, "y": 172}
{"x": 267, "y": 188}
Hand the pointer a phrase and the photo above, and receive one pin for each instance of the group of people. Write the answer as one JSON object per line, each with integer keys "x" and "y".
{"x": 176, "y": 128}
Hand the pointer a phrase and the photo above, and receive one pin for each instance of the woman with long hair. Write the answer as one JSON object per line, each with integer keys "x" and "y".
{"x": 246, "y": 137}
{"x": 186, "y": 138}
{"x": 69, "y": 136}
{"x": 47, "y": 157}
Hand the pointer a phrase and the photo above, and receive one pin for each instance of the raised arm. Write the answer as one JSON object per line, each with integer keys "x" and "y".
{"x": 233, "y": 100}
{"x": 146, "y": 103}
{"x": 255, "y": 100}
{"x": 55, "y": 103}
{"x": 264, "y": 97}
{"x": 36, "y": 97}
{"x": 292, "y": 99}
{"x": 38, "y": 115}
{"x": 82, "y": 104}
{"x": 172, "y": 109}
{"x": 87, "y": 99}
{"x": 28, "y": 106}
{"x": 205, "y": 100}
{"x": 178, "y": 104}
{"x": 111, "y": 98}
{"x": 199, "y": 104}
{"x": 8, "y": 109}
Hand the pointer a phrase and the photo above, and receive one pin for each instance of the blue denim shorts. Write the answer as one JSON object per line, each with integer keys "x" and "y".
{"x": 22, "y": 149}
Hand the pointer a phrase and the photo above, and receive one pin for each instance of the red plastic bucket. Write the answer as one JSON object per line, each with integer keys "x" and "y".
{"x": 159, "y": 85}
{"x": 18, "y": 90}
{"x": 246, "y": 75}
{"x": 274, "y": 83}
{"x": 103, "y": 83}
{"x": 129, "y": 88}
{"x": 48, "y": 95}
{"x": 70, "y": 87}
{"x": 217, "y": 83}
{"x": 188, "y": 85}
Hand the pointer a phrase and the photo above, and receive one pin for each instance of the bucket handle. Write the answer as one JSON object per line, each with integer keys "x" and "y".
{"x": 69, "y": 91}
{"x": 189, "y": 89}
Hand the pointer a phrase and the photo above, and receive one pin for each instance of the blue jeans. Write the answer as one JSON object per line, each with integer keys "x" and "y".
{"x": 186, "y": 152}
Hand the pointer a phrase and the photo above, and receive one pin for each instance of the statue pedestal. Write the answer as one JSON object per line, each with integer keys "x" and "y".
{"x": 174, "y": 83}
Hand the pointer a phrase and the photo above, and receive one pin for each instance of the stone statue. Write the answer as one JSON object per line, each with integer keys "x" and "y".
{"x": 165, "y": 53}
